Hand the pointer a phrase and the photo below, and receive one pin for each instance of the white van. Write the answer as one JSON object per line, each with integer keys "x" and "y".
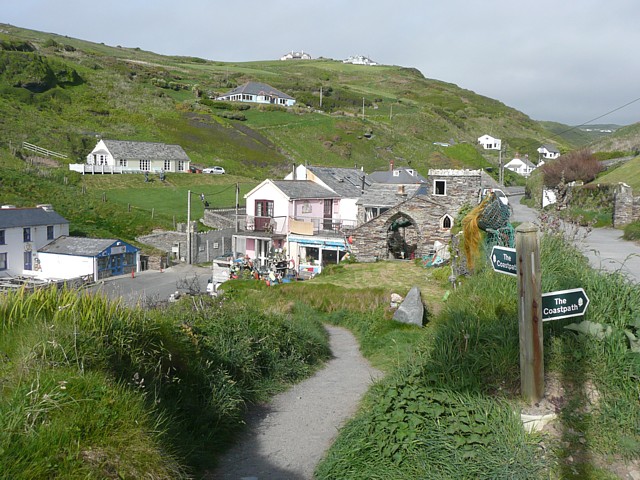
{"x": 499, "y": 193}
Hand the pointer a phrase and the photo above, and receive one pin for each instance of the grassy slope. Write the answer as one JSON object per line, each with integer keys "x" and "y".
{"x": 404, "y": 111}
{"x": 628, "y": 173}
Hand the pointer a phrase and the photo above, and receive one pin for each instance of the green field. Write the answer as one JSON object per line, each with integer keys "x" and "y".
{"x": 628, "y": 173}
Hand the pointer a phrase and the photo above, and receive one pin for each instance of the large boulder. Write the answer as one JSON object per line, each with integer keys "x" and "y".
{"x": 411, "y": 310}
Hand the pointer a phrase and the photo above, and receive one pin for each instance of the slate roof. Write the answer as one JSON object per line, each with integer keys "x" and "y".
{"x": 386, "y": 195}
{"x": 145, "y": 150}
{"x": 29, "y": 217}
{"x": 550, "y": 148}
{"x": 257, "y": 88}
{"x": 346, "y": 182}
{"x": 78, "y": 246}
{"x": 301, "y": 189}
{"x": 403, "y": 177}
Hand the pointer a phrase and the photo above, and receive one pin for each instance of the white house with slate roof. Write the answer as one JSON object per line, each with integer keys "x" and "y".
{"x": 256, "y": 92}
{"x": 521, "y": 166}
{"x": 119, "y": 156}
{"x": 73, "y": 257}
{"x": 22, "y": 232}
{"x": 308, "y": 215}
{"x": 548, "y": 151}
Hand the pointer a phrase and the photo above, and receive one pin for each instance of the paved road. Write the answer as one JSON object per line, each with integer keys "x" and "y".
{"x": 604, "y": 247}
{"x": 152, "y": 285}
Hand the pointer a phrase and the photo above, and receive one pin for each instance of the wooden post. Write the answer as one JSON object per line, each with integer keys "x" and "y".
{"x": 530, "y": 313}
{"x": 153, "y": 211}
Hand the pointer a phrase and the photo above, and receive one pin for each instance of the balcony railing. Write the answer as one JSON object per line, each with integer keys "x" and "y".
{"x": 299, "y": 225}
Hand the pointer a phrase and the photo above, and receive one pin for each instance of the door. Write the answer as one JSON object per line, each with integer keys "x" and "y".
{"x": 264, "y": 213}
{"x": 327, "y": 220}
{"x": 117, "y": 264}
{"x": 28, "y": 263}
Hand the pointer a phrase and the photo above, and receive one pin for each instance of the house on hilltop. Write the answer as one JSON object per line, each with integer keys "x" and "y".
{"x": 118, "y": 156}
{"x": 256, "y": 92}
{"x": 295, "y": 56}
{"x": 359, "y": 60}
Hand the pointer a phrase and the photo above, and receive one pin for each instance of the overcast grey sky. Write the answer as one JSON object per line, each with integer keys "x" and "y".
{"x": 569, "y": 61}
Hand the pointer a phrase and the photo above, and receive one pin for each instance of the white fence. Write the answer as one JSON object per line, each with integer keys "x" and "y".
{"x": 42, "y": 151}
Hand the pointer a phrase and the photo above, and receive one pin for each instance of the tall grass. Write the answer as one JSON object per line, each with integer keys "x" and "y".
{"x": 448, "y": 410}
{"x": 92, "y": 389}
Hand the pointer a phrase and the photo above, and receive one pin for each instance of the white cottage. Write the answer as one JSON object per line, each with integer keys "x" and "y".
{"x": 490, "y": 143}
{"x": 117, "y": 156}
{"x": 256, "y": 92}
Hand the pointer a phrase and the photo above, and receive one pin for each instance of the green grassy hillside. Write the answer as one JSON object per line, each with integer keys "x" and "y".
{"x": 628, "y": 173}
{"x": 77, "y": 90}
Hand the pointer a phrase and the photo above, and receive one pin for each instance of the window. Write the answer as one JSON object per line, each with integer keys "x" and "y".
{"x": 439, "y": 187}
{"x": 306, "y": 207}
{"x": 446, "y": 222}
{"x": 26, "y": 234}
{"x": 2, "y": 241}
{"x": 123, "y": 162}
{"x": 396, "y": 173}
{"x": 145, "y": 165}
{"x": 181, "y": 165}
{"x": 49, "y": 232}
{"x": 167, "y": 165}
{"x": 3, "y": 261}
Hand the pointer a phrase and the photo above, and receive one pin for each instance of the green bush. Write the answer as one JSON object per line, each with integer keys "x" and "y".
{"x": 632, "y": 231}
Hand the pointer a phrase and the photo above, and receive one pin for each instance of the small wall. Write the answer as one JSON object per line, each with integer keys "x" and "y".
{"x": 222, "y": 218}
{"x": 205, "y": 246}
{"x": 626, "y": 207}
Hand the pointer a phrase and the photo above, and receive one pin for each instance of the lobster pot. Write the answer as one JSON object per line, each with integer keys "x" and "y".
{"x": 495, "y": 215}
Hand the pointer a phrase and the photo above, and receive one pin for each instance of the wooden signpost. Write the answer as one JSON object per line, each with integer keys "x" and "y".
{"x": 533, "y": 306}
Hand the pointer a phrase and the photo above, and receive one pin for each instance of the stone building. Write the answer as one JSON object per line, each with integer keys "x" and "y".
{"x": 420, "y": 219}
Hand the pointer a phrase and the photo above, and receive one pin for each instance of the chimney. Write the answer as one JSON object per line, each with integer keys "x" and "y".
{"x": 391, "y": 165}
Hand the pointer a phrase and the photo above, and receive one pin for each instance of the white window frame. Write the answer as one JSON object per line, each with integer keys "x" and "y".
{"x": 443, "y": 219}
{"x": 145, "y": 165}
{"x": 4, "y": 261}
{"x": 435, "y": 190}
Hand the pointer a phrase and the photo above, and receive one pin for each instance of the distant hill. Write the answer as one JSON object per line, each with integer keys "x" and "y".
{"x": 624, "y": 139}
{"x": 628, "y": 172}
{"x": 63, "y": 93}
{"x": 580, "y": 136}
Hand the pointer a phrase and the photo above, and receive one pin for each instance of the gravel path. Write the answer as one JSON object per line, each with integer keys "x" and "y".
{"x": 287, "y": 438}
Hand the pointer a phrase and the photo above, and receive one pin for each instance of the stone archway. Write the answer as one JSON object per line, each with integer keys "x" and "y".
{"x": 402, "y": 236}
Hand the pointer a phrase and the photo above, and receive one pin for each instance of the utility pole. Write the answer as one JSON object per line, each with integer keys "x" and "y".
{"x": 237, "y": 206}
{"x": 391, "y": 112}
{"x": 189, "y": 259}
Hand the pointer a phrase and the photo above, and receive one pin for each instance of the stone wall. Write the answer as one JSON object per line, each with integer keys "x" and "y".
{"x": 221, "y": 218}
{"x": 205, "y": 246}
{"x": 462, "y": 186}
{"x": 626, "y": 207}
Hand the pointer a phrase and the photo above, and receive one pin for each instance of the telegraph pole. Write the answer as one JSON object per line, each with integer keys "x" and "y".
{"x": 189, "y": 259}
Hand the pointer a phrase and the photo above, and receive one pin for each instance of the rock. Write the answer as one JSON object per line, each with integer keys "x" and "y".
{"x": 395, "y": 298}
{"x": 411, "y": 310}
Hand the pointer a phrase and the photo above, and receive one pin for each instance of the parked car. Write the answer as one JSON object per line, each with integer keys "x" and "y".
{"x": 216, "y": 170}
{"x": 498, "y": 193}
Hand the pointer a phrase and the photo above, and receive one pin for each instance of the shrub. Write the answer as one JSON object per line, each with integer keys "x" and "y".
{"x": 632, "y": 231}
{"x": 579, "y": 165}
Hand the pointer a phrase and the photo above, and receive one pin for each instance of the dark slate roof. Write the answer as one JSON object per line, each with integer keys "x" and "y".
{"x": 550, "y": 148}
{"x": 301, "y": 189}
{"x": 145, "y": 150}
{"x": 386, "y": 195}
{"x": 79, "y": 246}
{"x": 346, "y": 182}
{"x": 257, "y": 88}
{"x": 29, "y": 217}
{"x": 404, "y": 177}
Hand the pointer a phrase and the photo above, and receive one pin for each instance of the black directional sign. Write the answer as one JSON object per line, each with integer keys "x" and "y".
{"x": 564, "y": 304}
{"x": 503, "y": 260}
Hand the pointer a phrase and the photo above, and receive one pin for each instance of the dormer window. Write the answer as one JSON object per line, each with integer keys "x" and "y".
{"x": 396, "y": 173}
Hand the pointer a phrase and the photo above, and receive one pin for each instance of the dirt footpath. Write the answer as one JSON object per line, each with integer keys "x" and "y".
{"x": 286, "y": 439}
